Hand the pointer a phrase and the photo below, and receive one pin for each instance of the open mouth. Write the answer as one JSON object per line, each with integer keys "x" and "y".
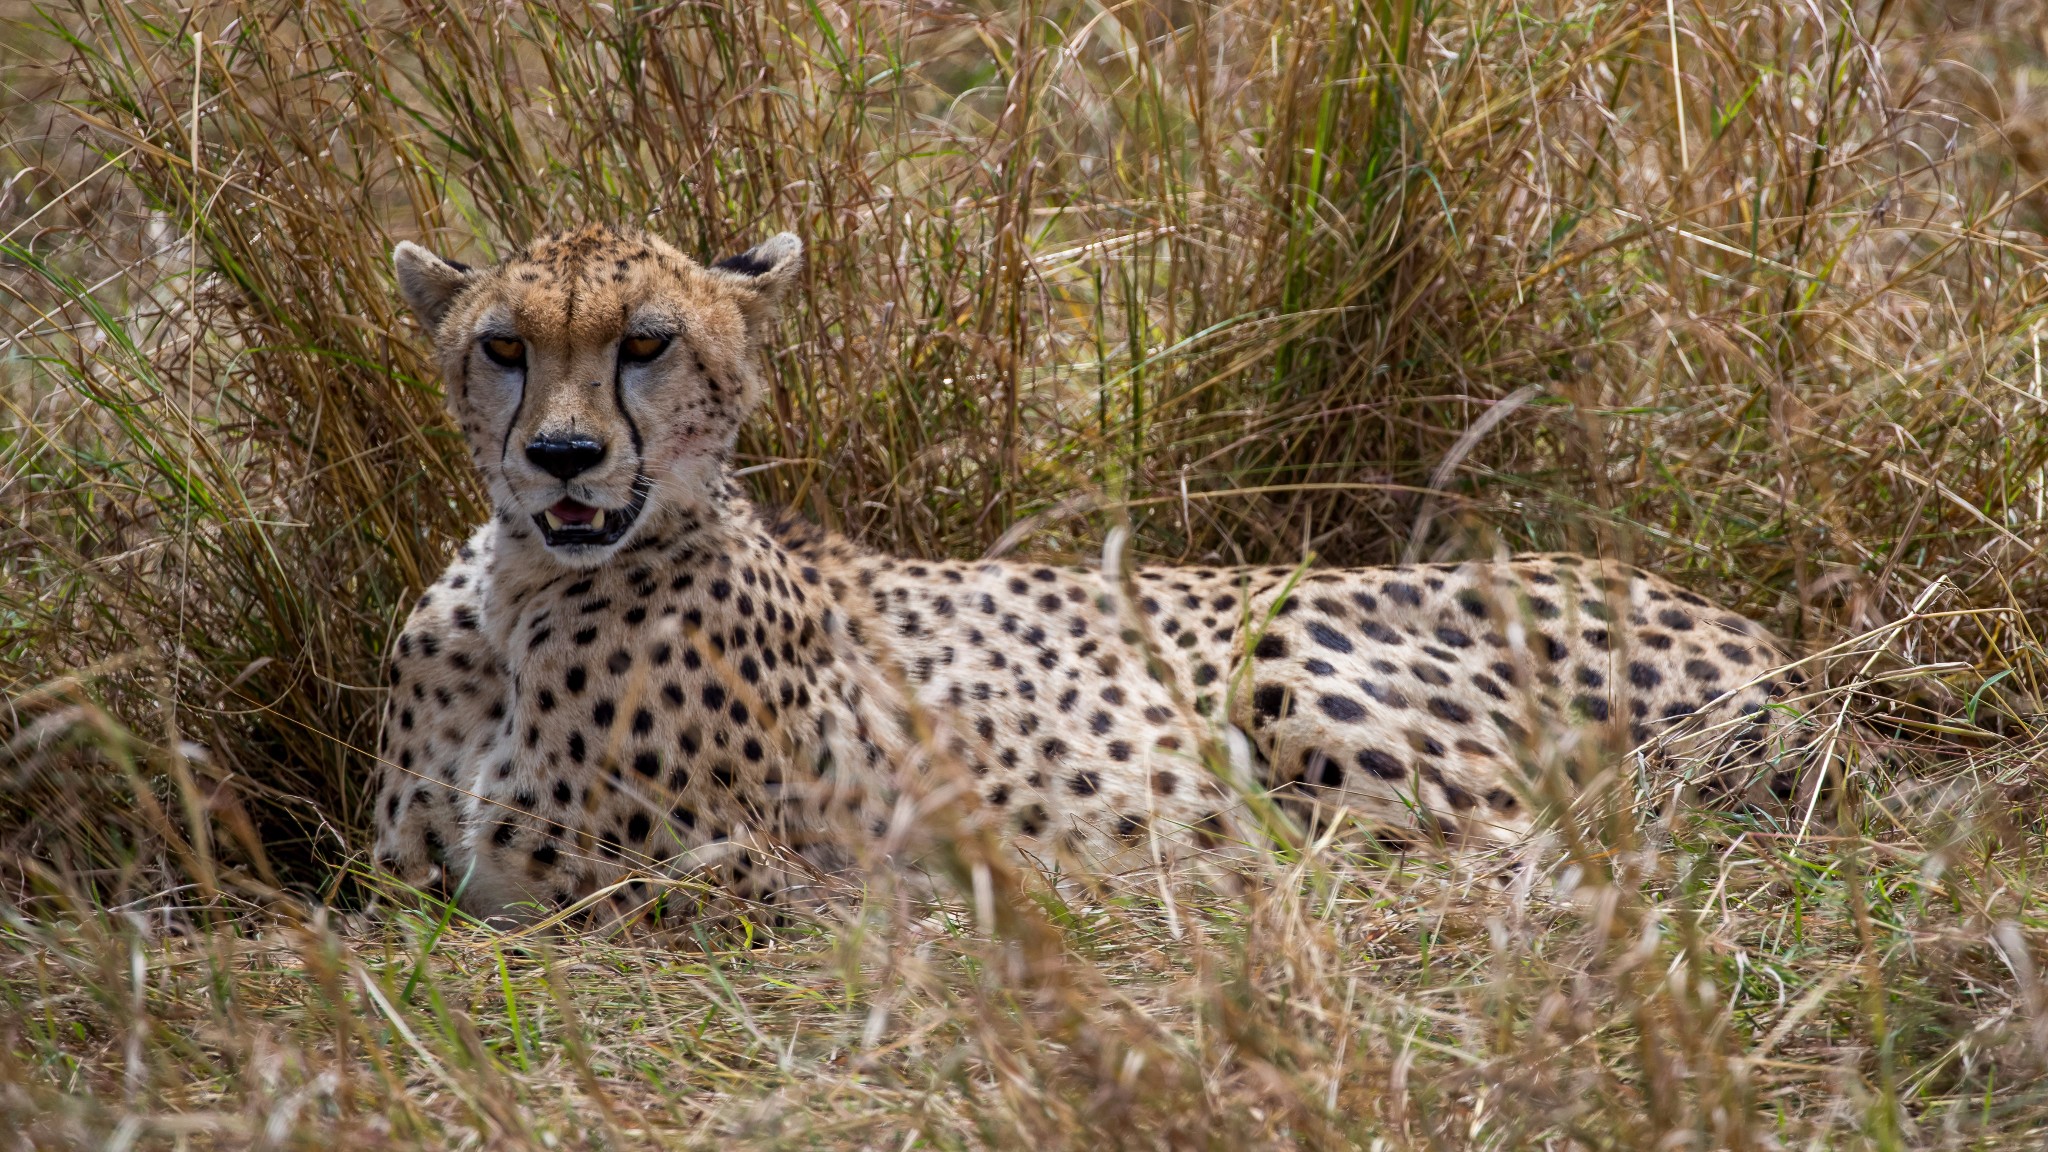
{"x": 572, "y": 524}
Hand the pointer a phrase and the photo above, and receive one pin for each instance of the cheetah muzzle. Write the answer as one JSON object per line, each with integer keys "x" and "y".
{"x": 568, "y": 525}
{"x": 629, "y": 675}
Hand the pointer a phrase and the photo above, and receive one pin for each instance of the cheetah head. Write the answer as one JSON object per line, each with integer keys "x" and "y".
{"x": 599, "y": 374}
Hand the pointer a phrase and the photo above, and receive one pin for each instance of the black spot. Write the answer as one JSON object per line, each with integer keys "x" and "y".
{"x": 574, "y": 679}
{"x": 1374, "y": 630}
{"x": 1643, "y": 676}
{"x": 1085, "y": 783}
{"x": 1453, "y": 638}
{"x": 647, "y": 764}
{"x": 637, "y": 827}
{"x": 1342, "y": 708}
{"x": 1268, "y": 699}
{"x": 1401, "y": 593}
{"x": 1326, "y": 636}
{"x": 1675, "y": 620}
{"x": 1450, "y": 710}
{"x": 1590, "y": 677}
{"x": 1702, "y": 671}
{"x": 1381, "y": 764}
{"x": 1657, "y": 640}
{"x": 1424, "y": 743}
{"x": 1270, "y": 647}
{"x": 1590, "y": 706}
{"x": 1391, "y": 697}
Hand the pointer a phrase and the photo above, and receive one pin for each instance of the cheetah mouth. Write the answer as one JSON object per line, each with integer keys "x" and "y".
{"x": 573, "y": 524}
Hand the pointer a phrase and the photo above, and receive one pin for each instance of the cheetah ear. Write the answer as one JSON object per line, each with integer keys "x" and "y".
{"x": 763, "y": 275}
{"x": 428, "y": 283}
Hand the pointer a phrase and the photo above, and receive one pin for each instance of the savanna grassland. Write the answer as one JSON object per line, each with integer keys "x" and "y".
{"x": 1749, "y": 292}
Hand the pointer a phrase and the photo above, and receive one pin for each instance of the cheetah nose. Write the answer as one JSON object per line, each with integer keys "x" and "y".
{"x": 565, "y": 458}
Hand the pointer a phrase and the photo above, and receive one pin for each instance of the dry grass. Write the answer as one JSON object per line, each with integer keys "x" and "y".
{"x": 1244, "y": 274}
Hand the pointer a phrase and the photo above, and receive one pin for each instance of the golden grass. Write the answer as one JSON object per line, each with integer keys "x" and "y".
{"x": 1754, "y": 296}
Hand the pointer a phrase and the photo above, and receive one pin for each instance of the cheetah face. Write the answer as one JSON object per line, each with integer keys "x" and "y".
{"x": 599, "y": 374}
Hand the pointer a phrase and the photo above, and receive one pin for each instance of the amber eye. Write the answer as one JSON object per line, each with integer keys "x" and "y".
{"x": 641, "y": 349}
{"x": 505, "y": 351}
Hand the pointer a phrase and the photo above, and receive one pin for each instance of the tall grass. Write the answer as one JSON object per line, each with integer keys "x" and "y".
{"x": 1747, "y": 291}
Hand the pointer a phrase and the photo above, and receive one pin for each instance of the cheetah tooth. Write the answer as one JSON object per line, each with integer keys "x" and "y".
{"x": 597, "y": 520}
{"x": 554, "y": 521}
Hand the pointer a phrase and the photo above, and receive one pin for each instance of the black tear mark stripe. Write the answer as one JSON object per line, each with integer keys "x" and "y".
{"x": 505, "y": 441}
{"x": 619, "y": 398}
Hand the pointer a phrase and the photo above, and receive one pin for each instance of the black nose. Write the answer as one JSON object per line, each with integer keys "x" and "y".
{"x": 565, "y": 458}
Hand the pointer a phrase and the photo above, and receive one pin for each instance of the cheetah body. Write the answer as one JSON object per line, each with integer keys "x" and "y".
{"x": 757, "y": 704}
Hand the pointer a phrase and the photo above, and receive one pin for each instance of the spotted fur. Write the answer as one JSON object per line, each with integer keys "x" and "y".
{"x": 716, "y": 695}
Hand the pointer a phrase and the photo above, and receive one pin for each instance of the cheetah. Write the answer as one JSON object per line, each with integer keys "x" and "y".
{"x": 632, "y": 673}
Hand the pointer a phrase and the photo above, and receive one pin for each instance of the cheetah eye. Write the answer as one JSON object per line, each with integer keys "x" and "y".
{"x": 505, "y": 352}
{"x": 641, "y": 349}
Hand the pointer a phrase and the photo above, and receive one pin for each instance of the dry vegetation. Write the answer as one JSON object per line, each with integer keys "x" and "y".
{"x": 1745, "y": 290}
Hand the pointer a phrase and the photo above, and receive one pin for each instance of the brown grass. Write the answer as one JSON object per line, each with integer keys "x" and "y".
{"x": 1244, "y": 274}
